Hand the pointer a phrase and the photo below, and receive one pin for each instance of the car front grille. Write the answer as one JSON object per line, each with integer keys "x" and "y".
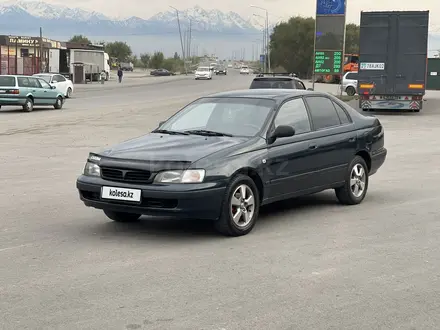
{"x": 123, "y": 175}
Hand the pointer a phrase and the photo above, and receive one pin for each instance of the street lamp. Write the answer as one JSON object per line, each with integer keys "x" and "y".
{"x": 181, "y": 40}
{"x": 266, "y": 35}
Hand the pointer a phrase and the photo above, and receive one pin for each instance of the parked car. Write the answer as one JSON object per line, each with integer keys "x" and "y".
{"x": 244, "y": 70}
{"x": 349, "y": 83}
{"x": 161, "y": 72}
{"x": 28, "y": 92}
{"x": 223, "y": 156}
{"x": 277, "y": 80}
{"x": 203, "y": 72}
{"x": 62, "y": 83}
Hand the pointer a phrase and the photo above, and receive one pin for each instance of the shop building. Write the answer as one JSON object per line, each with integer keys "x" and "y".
{"x": 26, "y": 55}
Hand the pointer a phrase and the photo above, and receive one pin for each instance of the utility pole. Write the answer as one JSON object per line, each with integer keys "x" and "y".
{"x": 181, "y": 40}
{"x": 268, "y": 40}
{"x": 189, "y": 38}
{"x": 41, "y": 50}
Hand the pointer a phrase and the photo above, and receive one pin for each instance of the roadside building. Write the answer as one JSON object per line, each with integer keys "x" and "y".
{"x": 26, "y": 55}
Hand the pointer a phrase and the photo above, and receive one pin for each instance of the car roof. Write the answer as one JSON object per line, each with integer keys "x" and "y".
{"x": 277, "y": 94}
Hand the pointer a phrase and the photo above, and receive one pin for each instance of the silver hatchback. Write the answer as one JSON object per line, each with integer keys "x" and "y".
{"x": 349, "y": 83}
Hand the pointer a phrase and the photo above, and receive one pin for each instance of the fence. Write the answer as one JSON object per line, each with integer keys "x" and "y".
{"x": 19, "y": 65}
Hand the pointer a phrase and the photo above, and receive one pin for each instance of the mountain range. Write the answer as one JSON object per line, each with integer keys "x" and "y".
{"x": 23, "y": 16}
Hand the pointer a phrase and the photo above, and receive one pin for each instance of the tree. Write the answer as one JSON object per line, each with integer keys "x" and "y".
{"x": 80, "y": 39}
{"x": 156, "y": 60}
{"x": 176, "y": 56}
{"x": 145, "y": 60}
{"x": 119, "y": 50}
{"x": 291, "y": 44}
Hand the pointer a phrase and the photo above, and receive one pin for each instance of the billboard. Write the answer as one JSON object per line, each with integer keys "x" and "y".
{"x": 329, "y": 37}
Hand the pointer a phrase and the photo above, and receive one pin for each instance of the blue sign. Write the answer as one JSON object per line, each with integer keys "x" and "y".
{"x": 262, "y": 56}
{"x": 330, "y": 7}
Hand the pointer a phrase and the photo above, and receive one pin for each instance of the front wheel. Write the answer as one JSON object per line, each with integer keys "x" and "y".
{"x": 240, "y": 207}
{"x": 58, "y": 103}
{"x": 122, "y": 216}
{"x": 355, "y": 187}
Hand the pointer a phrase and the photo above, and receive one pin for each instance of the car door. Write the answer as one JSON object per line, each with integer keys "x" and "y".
{"x": 60, "y": 82}
{"x": 334, "y": 139}
{"x": 36, "y": 90}
{"x": 289, "y": 164}
{"x": 43, "y": 95}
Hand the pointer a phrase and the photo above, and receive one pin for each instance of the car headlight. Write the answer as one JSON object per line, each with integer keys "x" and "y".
{"x": 92, "y": 169}
{"x": 188, "y": 176}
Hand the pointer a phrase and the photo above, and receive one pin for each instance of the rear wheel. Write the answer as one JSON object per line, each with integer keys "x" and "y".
{"x": 122, "y": 216}
{"x": 58, "y": 103}
{"x": 350, "y": 91}
{"x": 355, "y": 187}
{"x": 240, "y": 207}
{"x": 28, "y": 105}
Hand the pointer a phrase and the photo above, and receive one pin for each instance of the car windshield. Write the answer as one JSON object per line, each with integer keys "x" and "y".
{"x": 272, "y": 83}
{"x": 203, "y": 69}
{"x": 244, "y": 67}
{"x": 229, "y": 116}
{"x": 6, "y": 81}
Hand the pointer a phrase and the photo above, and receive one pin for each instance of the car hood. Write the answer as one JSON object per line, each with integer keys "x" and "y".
{"x": 164, "y": 147}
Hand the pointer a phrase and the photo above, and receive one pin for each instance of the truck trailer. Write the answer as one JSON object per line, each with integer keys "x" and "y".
{"x": 95, "y": 61}
{"x": 393, "y": 51}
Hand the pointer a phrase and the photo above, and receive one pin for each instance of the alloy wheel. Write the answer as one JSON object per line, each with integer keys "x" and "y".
{"x": 242, "y": 205}
{"x": 358, "y": 180}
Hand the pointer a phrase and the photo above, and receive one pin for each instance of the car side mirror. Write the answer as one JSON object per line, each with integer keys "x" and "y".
{"x": 161, "y": 123}
{"x": 281, "y": 132}
{"x": 310, "y": 89}
{"x": 52, "y": 87}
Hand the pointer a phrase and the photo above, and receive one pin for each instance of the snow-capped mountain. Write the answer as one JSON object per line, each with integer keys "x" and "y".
{"x": 18, "y": 17}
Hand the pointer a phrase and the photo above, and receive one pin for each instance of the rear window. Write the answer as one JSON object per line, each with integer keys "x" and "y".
{"x": 7, "y": 81}
{"x": 272, "y": 83}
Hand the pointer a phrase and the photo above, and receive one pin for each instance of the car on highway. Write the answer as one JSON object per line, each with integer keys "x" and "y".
{"x": 61, "y": 83}
{"x": 27, "y": 92}
{"x": 349, "y": 83}
{"x": 221, "y": 70}
{"x": 203, "y": 72}
{"x": 277, "y": 80}
{"x": 244, "y": 70}
{"x": 161, "y": 72}
{"x": 223, "y": 156}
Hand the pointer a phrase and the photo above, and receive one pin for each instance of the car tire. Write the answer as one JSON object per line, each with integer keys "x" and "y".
{"x": 58, "y": 103}
{"x": 69, "y": 92}
{"x": 226, "y": 225}
{"x": 355, "y": 187}
{"x": 350, "y": 91}
{"x": 28, "y": 105}
{"x": 122, "y": 216}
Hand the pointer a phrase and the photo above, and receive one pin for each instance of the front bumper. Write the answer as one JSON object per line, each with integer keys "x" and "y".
{"x": 186, "y": 201}
{"x": 202, "y": 76}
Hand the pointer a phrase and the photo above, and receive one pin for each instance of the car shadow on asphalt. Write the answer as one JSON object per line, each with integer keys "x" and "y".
{"x": 10, "y": 111}
{"x": 155, "y": 227}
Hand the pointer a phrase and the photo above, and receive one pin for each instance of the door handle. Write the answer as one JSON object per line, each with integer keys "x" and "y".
{"x": 313, "y": 146}
{"x": 352, "y": 139}
{"x": 34, "y": 90}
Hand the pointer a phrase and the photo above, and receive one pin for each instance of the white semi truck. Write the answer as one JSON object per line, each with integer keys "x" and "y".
{"x": 95, "y": 61}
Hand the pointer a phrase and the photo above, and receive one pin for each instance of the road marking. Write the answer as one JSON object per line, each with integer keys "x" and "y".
{"x": 15, "y": 247}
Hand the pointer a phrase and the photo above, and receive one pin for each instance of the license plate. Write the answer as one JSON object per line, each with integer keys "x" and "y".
{"x": 390, "y": 97}
{"x": 121, "y": 194}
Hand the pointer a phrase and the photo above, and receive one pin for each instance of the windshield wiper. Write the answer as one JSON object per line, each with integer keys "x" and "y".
{"x": 207, "y": 133}
{"x": 165, "y": 131}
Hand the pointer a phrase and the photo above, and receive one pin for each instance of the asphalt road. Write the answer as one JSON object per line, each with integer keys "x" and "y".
{"x": 309, "y": 263}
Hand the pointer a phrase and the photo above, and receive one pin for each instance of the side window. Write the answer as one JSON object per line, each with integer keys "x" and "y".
{"x": 342, "y": 114}
{"x": 34, "y": 83}
{"x": 44, "y": 84}
{"x": 59, "y": 78}
{"x": 294, "y": 113}
{"x": 352, "y": 76}
{"x": 323, "y": 112}
{"x": 299, "y": 85}
{"x": 23, "y": 82}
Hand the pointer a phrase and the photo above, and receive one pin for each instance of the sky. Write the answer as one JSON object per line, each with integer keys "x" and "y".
{"x": 278, "y": 9}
